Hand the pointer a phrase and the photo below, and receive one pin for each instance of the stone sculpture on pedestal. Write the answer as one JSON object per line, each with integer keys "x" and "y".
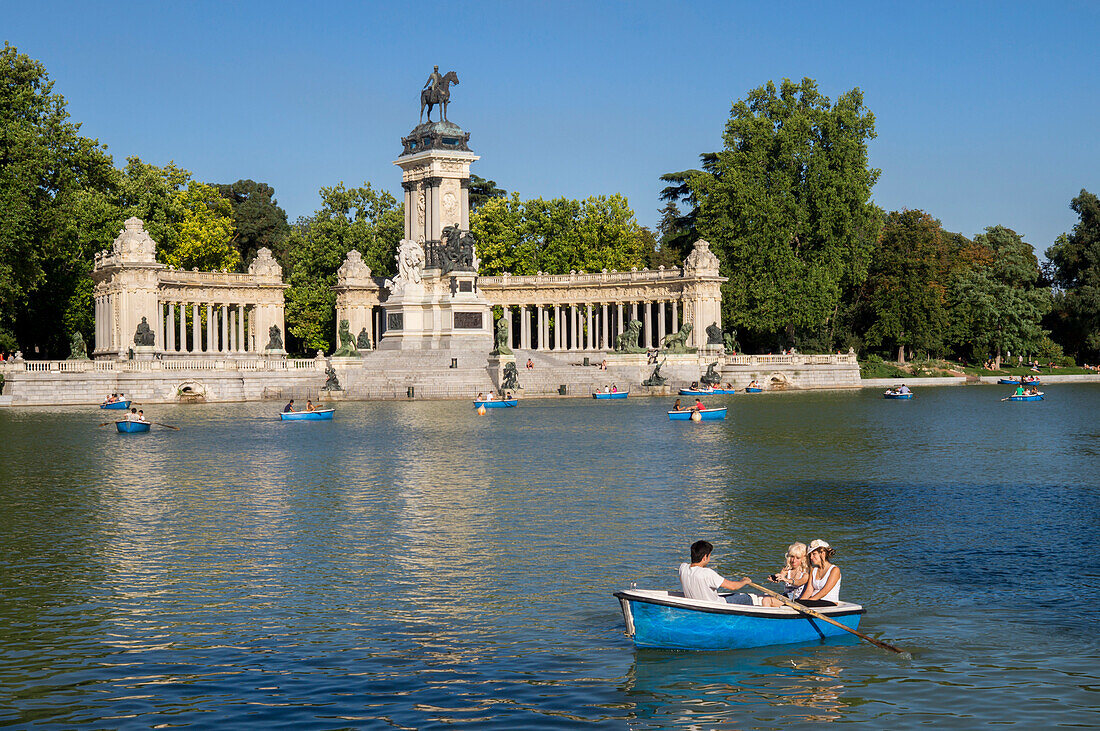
{"x": 711, "y": 377}
{"x": 510, "y": 382}
{"x": 347, "y": 347}
{"x": 655, "y": 378}
{"x": 677, "y": 341}
{"x": 144, "y": 335}
{"x": 627, "y": 341}
{"x": 502, "y": 339}
{"x": 275, "y": 338}
{"x": 714, "y": 334}
{"x": 363, "y": 340}
{"x": 730, "y": 341}
{"x": 332, "y": 383}
{"x": 77, "y": 349}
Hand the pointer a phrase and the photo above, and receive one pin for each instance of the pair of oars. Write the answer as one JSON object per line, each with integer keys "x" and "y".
{"x": 830, "y": 620}
{"x": 166, "y": 426}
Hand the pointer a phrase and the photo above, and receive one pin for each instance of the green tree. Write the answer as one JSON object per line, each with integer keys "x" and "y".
{"x": 482, "y": 191}
{"x": 787, "y": 205}
{"x": 906, "y": 294}
{"x": 48, "y": 177}
{"x": 559, "y": 235}
{"x": 998, "y": 306}
{"x": 1075, "y": 270}
{"x": 257, "y": 218}
{"x": 357, "y": 218}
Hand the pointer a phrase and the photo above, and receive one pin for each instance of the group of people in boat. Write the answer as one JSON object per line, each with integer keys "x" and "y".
{"x": 899, "y": 391}
{"x": 1026, "y": 391}
{"x": 289, "y": 408}
{"x": 697, "y": 406}
{"x": 808, "y": 577}
{"x": 136, "y": 415}
{"x": 613, "y": 388}
{"x": 114, "y": 398}
{"x": 492, "y": 396}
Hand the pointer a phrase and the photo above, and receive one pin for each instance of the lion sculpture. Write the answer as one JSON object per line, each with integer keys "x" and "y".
{"x": 347, "y": 342}
{"x": 627, "y": 341}
{"x": 677, "y": 341}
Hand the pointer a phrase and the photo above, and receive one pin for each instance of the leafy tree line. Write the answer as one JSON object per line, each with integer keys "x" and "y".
{"x": 813, "y": 263}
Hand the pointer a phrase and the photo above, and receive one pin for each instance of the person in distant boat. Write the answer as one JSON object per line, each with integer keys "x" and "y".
{"x": 481, "y": 397}
{"x": 614, "y": 388}
{"x": 903, "y": 389}
{"x": 607, "y": 389}
{"x": 676, "y": 406}
{"x": 698, "y": 404}
{"x": 793, "y": 577}
{"x": 700, "y": 582}
{"x": 823, "y": 588}
{"x": 490, "y": 396}
{"x": 141, "y": 416}
{"x": 309, "y": 405}
{"x": 132, "y": 415}
{"x": 1019, "y": 390}
{"x": 694, "y": 385}
{"x": 754, "y": 384}
{"x": 289, "y": 408}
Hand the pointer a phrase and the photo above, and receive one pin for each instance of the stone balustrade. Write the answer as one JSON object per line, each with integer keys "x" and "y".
{"x": 174, "y": 364}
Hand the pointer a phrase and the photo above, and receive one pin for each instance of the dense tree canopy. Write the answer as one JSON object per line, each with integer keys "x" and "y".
{"x": 48, "y": 174}
{"x": 356, "y": 218}
{"x": 257, "y": 218}
{"x": 557, "y": 236}
{"x": 786, "y": 204}
{"x": 1075, "y": 269}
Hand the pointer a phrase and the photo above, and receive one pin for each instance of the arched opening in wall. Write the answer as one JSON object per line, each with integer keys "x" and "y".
{"x": 778, "y": 382}
{"x": 191, "y": 392}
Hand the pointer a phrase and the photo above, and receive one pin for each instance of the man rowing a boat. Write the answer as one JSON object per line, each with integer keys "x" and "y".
{"x": 700, "y": 582}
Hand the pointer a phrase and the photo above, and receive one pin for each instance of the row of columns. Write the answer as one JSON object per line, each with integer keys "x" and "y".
{"x": 229, "y": 328}
{"x": 588, "y": 326}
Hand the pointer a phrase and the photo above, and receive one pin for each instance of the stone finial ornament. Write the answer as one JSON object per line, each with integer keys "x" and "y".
{"x": 701, "y": 260}
{"x": 354, "y": 271}
{"x": 264, "y": 265}
{"x": 134, "y": 244}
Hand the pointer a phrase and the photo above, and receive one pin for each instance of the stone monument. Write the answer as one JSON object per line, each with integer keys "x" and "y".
{"x": 434, "y": 302}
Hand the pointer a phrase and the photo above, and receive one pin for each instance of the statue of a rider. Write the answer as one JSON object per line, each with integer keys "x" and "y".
{"x": 433, "y": 80}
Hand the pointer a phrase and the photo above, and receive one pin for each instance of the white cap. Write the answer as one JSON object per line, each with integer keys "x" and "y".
{"x": 816, "y": 544}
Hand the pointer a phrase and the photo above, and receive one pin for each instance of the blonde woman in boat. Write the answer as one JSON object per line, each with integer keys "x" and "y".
{"x": 793, "y": 577}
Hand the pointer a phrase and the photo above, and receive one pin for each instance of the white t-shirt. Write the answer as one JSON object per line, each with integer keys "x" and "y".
{"x": 699, "y": 582}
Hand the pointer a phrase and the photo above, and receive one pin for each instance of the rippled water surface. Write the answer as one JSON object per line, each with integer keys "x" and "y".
{"x": 413, "y": 565}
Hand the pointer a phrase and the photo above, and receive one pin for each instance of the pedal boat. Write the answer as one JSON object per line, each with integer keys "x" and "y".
{"x": 666, "y": 620}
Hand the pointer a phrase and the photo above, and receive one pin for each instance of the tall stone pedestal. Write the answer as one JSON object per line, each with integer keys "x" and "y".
{"x": 442, "y": 311}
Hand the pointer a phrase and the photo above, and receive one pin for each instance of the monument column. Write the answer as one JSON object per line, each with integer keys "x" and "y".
{"x": 661, "y": 324}
{"x": 647, "y": 341}
{"x": 196, "y": 323}
{"x": 209, "y": 328}
{"x": 675, "y": 316}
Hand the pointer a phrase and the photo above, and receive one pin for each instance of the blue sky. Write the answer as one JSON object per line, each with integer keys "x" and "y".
{"x": 986, "y": 112}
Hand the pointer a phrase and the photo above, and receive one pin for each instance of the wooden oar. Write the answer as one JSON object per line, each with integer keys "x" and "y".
{"x": 166, "y": 426}
{"x": 107, "y": 423}
{"x": 830, "y": 620}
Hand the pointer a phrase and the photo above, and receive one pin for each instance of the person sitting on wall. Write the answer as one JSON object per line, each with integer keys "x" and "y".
{"x": 289, "y": 408}
{"x": 701, "y": 582}
{"x": 530, "y": 364}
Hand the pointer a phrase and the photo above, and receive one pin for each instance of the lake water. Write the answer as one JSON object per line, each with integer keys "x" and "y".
{"x": 413, "y": 565}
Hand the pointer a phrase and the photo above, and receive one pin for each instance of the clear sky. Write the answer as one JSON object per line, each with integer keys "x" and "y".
{"x": 987, "y": 113}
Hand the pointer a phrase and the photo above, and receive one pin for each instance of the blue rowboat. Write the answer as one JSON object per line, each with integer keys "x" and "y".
{"x": 318, "y": 415}
{"x": 501, "y": 404}
{"x": 707, "y": 391}
{"x": 667, "y": 620}
{"x": 1036, "y": 397}
{"x": 898, "y": 396}
{"x": 132, "y": 427}
{"x": 1017, "y": 382}
{"x": 704, "y": 414}
{"x": 608, "y": 396}
{"x": 115, "y": 405}
{"x": 753, "y": 390}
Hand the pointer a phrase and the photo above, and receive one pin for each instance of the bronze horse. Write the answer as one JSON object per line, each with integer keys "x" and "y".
{"x": 440, "y": 95}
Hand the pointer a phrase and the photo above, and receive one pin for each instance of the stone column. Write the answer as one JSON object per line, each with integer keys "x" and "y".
{"x": 241, "y": 344}
{"x": 619, "y": 327}
{"x": 675, "y": 316}
{"x": 524, "y": 327}
{"x": 557, "y": 327}
{"x": 209, "y": 328}
{"x": 541, "y": 344}
{"x": 183, "y": 327}
{"x": 196, "y": 324}
{"x": 223, "y": 345}
{"x": 661, "y": 324}
{"x": 603, "y": 326}
{"x": 646, "y": 337}
{"x": 588, "y": 327}
{"x": 170, "y": 329}
{"x": 508, "y": 320}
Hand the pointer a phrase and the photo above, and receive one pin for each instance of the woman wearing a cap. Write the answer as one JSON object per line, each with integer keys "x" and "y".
{"x": 823, "y": 588}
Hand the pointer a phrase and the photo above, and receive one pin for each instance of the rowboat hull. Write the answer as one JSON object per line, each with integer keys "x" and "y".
{"x": 318, "y": 415}
{"x": 1026, "y": 398}
{"x": 132, "y": 427}
{"x": 704, "y": 392}
{"x": 610, "y": 396}
{"x": 898, "y": 396}
{"x": 664, "y": 620}
{"x": 116, "y": 405}
{"x": 502, "y": 404}
{"x": 1016, "y": 382}
{"x": 704, "y": 414}
{"x": 754, "y": 390}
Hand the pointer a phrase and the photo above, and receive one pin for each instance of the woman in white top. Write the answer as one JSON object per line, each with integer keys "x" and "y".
{"x": 823, "y": 588}
{"x": 794, "y": 576}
